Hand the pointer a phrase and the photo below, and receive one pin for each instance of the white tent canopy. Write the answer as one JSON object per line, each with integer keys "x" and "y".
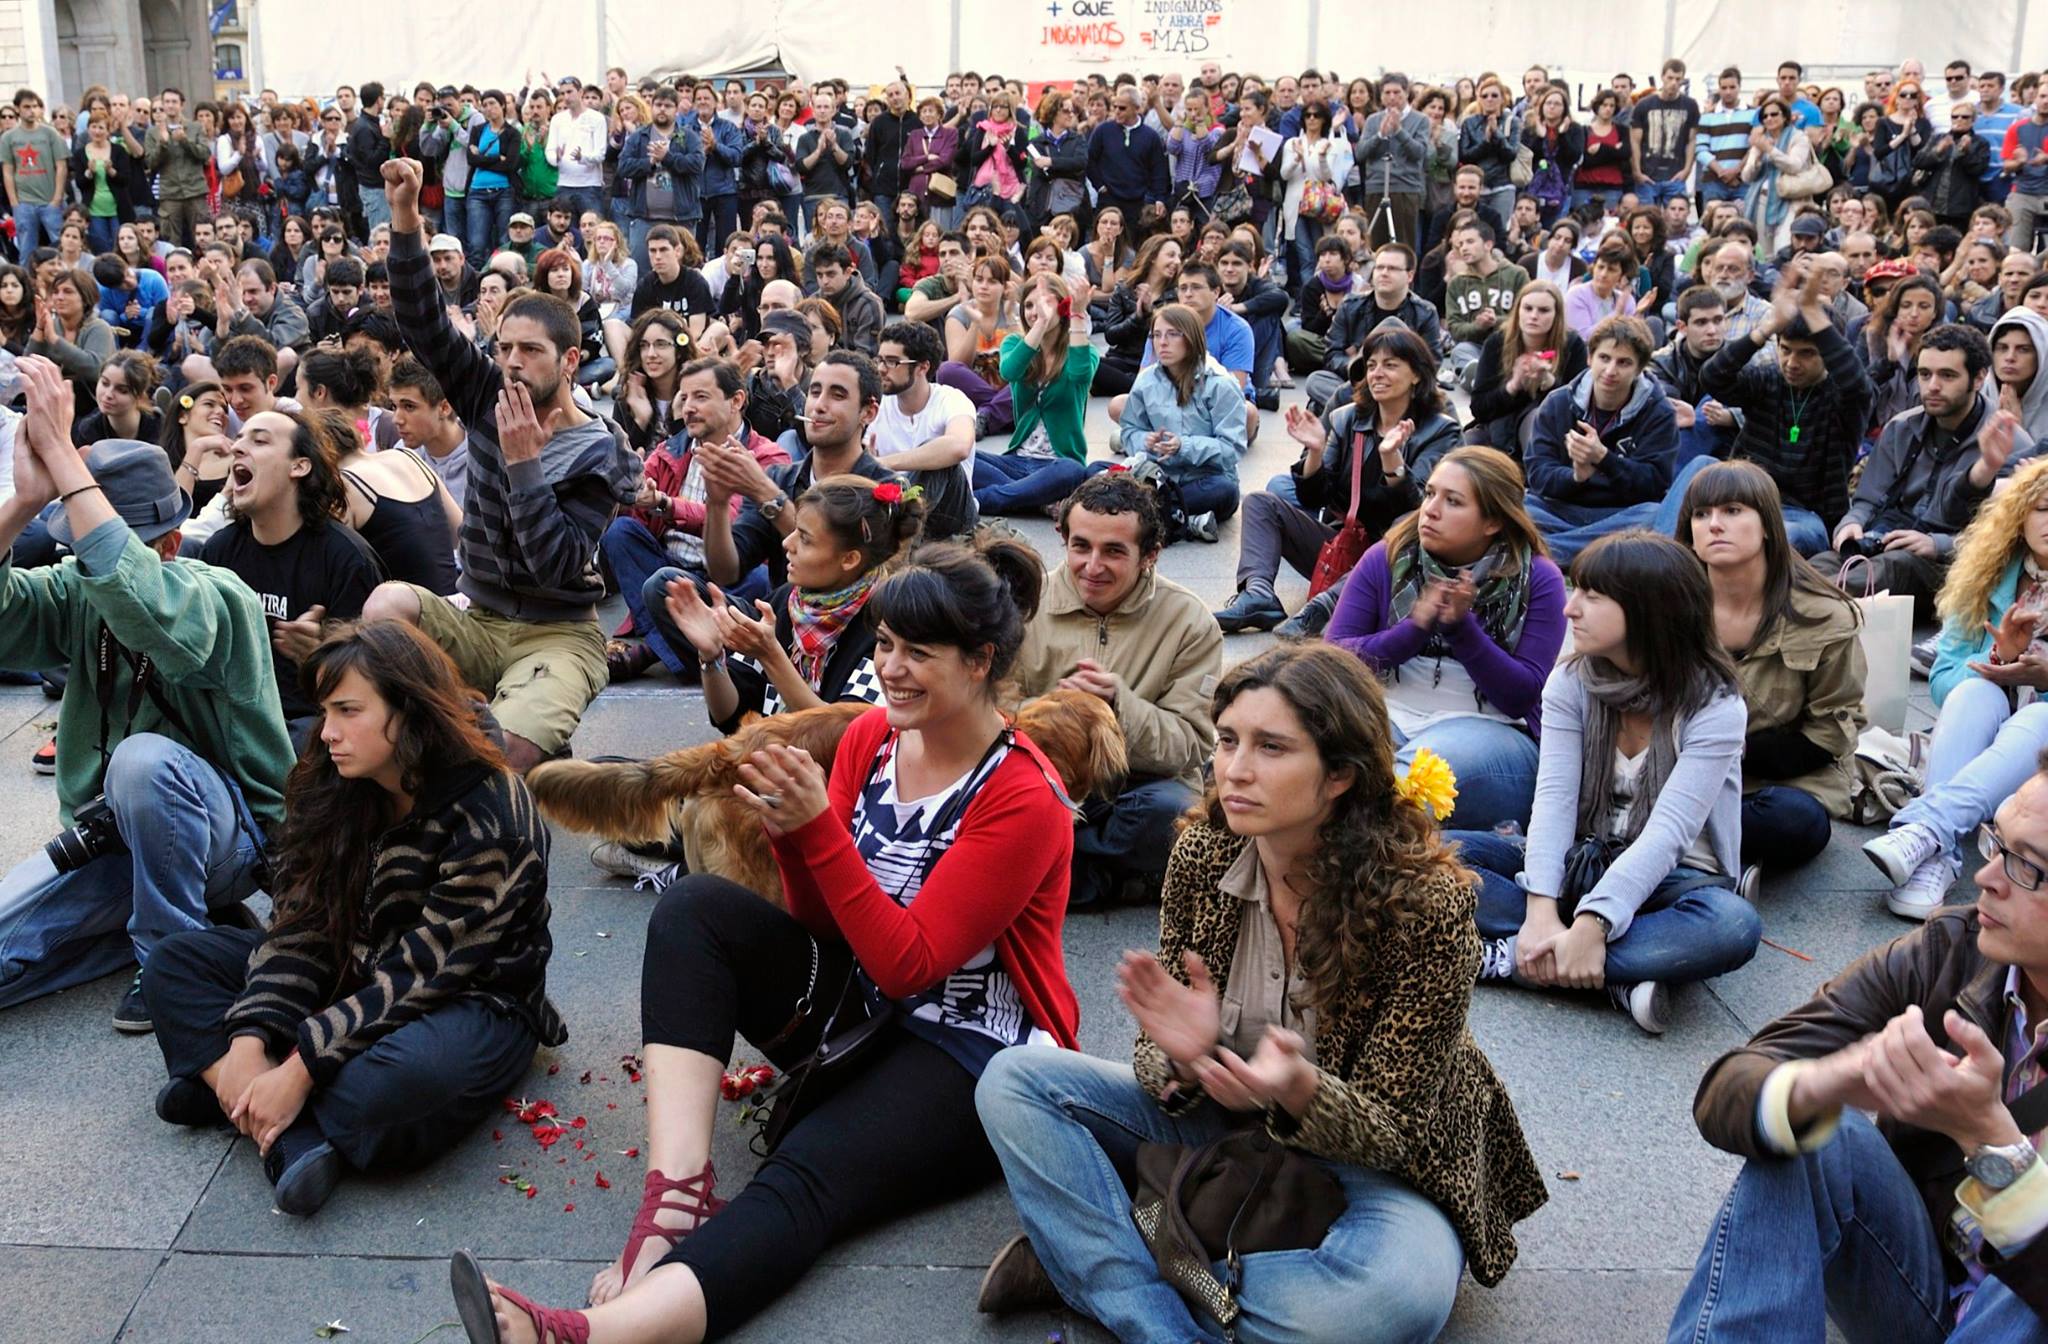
{"x": 1055, "y": 39}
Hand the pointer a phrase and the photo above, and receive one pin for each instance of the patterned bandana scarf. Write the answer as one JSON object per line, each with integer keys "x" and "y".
{"x": 816, "y": 620}
{"x": 1501, "y": 599}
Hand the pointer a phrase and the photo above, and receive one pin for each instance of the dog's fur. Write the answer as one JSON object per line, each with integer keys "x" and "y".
{"x": 689, "y": 793}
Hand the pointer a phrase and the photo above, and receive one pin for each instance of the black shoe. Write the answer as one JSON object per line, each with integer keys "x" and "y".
{"x": 1016, "y": 1281}
{"x": 1310, "y": 621}
{"x": 1251, "y": 609}
{"x": 189, "y": 1102}
{"x": 132, "y": 1016}
{"x": 1267, "y": 399}
{"x": 54, "y": 683}
{"x": 304, "y": 1168}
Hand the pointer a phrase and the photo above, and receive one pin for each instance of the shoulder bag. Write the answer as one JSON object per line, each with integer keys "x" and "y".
{"x": 1340, "y": 554}
{"x": 1223, "y": 1200}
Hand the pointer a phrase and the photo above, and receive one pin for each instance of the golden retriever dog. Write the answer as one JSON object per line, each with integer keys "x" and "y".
{"x": 689, "y": 793}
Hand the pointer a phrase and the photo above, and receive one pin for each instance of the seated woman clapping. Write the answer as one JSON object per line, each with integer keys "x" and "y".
{"x": 1634, "y": 841}
{"x": 1461, "y": 613}
{"x": 402, "y": 990}
{"x": 1187, "y": 415}
{"x": 1316, "y": 956}
{"x": 927, "y": 888}
{"x": 811, "y": 643}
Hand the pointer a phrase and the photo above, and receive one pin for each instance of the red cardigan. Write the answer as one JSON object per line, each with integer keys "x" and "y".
{"x": 1003, "y": 881}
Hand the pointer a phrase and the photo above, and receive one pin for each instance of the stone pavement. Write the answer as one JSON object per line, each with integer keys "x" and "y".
{"x": 114, "y": 1226}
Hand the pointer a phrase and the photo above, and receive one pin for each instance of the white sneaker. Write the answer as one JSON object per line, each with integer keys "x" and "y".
{"x": 1647, "y": 1001}
{"x": 1922, "y": 894}
{"x": 1496, "y": 958}
{"x": 1899, "y": 852}
{"x": 1202, "y": 526}
{"x": 618, "y": 860}
{"x": 1750, "y": 885}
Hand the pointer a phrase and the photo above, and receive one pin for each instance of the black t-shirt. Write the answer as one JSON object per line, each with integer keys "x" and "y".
{"x": 687, "y": 294}
{"x": 1664, "y": 127}
{"x": 328, "y": 566}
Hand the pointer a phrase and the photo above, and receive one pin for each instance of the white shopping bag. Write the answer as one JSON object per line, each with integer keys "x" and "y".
{"x": 1887, "y": 639}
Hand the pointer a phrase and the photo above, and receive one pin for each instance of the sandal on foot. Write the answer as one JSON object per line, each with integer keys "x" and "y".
{"x": 697, "y": 1201}
{"x": 479, "y": 1316}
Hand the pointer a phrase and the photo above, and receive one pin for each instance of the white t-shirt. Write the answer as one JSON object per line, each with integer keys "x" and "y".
{"x": 897, "y": 431}
{"x": 586, "y": 130}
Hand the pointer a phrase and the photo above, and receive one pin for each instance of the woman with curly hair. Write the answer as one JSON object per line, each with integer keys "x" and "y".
{"x": 1628, "y": 878}
{"x": 1316, "y": 956}
{"x": 1990, "y": 669}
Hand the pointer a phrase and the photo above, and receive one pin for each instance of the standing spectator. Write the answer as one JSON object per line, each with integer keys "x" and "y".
{"x": 1899, "y": 138}
{"x": 1954, "y": 166}
{"x": 2025, "y": 155}
{"x": 35, "y": 160}
{"x": 1488, "y": 140}
{"x": 995, "y": 152}
{"x": 1723, "y": 141}
{"x": 1392, "y": 154}
{"x": 495, "y": 151}
{"x": 1800, "y": 110}
{"x": 1603, "y": 170}
{"x": 663, "y": 163}
{"x": 238, "y": 160}
{"x": 578, "y": 136}
{"x": 544, "y": 479}
{"x": 723, "y": 146}
{"x": 107, "y": 175}
{"x": 1555, "y": 143}
{"x": 882, "y": 151}
{"x": 1662, "y": 129}
{"x": 368, "y": 148}
{"x": 1995, "y": 116}
{"x": 1312, "y": 156}
{"x": 1127, "y": 165}
{"x": 826, "y": 155}
{"x": 445, "y": 142}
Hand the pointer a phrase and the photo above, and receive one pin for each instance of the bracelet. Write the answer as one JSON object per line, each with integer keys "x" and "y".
{"x": 79, "y": 491}
{"x": 712, "y": 664}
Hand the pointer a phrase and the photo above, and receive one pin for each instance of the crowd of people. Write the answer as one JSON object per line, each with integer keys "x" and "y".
{"x": 335, "y": 421}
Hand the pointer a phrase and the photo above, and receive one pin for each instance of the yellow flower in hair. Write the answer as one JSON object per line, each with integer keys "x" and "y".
{"x": 186, "y": 401}
{"x": 1429, "y": 784}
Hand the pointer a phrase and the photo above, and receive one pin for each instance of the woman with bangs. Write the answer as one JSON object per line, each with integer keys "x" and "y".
{"x": 1792, "y": 635}
{"x": 1534, "y": 351}
{"x": 1627, "y": 881}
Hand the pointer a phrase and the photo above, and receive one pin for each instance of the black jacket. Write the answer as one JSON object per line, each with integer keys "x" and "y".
{"x": 853, "y": 651}
{"x": 368, "y": 148}
{"x": 511, "y": 148}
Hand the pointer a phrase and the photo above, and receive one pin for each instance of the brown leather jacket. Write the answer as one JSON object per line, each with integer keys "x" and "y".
{"x": 1936, "y": 966}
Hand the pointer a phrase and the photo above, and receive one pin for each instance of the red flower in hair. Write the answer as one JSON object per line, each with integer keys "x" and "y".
{"x": 889, "y": 492}
{"x": 1066, "y": 310}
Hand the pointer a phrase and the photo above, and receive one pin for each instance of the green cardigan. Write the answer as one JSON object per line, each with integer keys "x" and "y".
{"x": 1062, "y": 407}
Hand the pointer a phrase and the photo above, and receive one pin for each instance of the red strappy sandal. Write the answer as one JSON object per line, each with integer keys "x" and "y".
{"x": 697, "y": 1201}
{"x": 480, "y": 1318}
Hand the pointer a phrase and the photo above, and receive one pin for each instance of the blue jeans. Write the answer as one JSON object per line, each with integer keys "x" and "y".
{"x": 721, "y": 218}
{"x": 35, "y": 547}
{"x": 1714, "y": 189}
{"x": 376, "y": 209}
{"x": 1495, "y": 765}
{"x": 1129, "y": 835}
{"x": 635, "y": 554}
{"x": 1656, "y": 193}
{"x": 1283, "y": 487}
{"x": 1216, "y": 492}
{"x": 1836, "y": 1234}
{"x": 1007, "y": 483}
{"x": 1570, "y": 528}
{"x": 36, "y": 225}
{"x": 489, "y": 219}
{"x": 1803, "y": 527}
{"x": 1783, "y": 827}
{"x": 1301, "y": 251}
{"x": 581, "y": 199}
{"x": 101, "y": 232}
{"x": 191, "y": 847}
{"x": 1066, "y": 1128}
{"x": 1982, "y": 751}
{"x": 650, "y": 614}
{"x": 1609, "y": 197}
{"x": 1682, "y": 932}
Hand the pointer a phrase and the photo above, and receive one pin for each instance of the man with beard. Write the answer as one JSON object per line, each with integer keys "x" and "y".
{"x": 925, "y": 430}
{"x": 665, "y": 163}
{"x": 544, "y": 480}
{"x": 1728, "y": 267}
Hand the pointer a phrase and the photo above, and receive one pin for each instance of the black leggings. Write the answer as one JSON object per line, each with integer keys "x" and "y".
{"x": 899, "y": 1132}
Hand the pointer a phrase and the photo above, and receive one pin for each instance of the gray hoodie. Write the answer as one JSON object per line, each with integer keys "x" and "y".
{"x": 2034, "y": 400}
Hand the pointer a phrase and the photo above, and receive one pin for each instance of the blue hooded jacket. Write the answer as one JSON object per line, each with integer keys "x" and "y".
{"x": 1642, "y": 447}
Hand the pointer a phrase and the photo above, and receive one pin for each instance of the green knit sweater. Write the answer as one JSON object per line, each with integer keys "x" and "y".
{"x": 1062, "y": 406}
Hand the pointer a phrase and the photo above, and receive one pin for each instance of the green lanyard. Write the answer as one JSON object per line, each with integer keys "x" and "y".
{"x": 1799, "y": 405}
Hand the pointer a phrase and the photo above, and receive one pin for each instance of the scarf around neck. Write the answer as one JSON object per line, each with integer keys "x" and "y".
{"x": 1609, "y": 695}
{"x": 997, "y": 171}
{"x": 1500, "y": 603}
{"x": 816, "y": 620}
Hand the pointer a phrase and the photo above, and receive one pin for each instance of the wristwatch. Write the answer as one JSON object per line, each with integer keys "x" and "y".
{"x": 774, "y": 507}
{"x": 1996, "y": 1166}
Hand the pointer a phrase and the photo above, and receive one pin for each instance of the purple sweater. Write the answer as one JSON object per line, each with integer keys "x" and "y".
{"x": 1511, "y": 680}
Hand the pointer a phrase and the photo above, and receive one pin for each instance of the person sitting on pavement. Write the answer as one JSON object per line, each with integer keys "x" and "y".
{"x": 1627, "y": 881}
{"x": 288, "y": 540}
{"x": 544, "y": 480}
{"x": 1389, "y": 299}
{"x": 1049, "y": 368}
{"x": 1706, "y": 428}
{"x": 171, "y": 748}
{"x": 1527, "y": 354}
{"x": 663, "y": 533}
{"x": 1793, "y": 636}
{"x": 401, "y": 991}
{"x": 1304, "y": 840}
{"x": 1186, "y": 416}
{"x": 1803, "y": 413}
{"x": 1602, "y": 449}
{"x": 1890, "y": 1129}
{"x": 1931, "y": 469}
{"x": 925, "y": 431}
{"x": 1989, "y": 671}
{"x": 1480, "y": 288}
{"x": 1363, "y": 465}
{"x": 926, "y": 883}
{"x": 1460, "y": 612}
{"x": 1111, "y": 626}
{"x": 2019, "y": 353}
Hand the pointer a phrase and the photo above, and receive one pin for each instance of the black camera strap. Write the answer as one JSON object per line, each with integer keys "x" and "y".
{"x": 107, "y": 649}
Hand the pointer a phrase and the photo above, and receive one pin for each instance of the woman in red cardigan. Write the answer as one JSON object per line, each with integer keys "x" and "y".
{"x": 928, "y": 879}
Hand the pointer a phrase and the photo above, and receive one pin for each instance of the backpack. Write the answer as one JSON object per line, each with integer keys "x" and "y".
{"x": 1173, "y": 511}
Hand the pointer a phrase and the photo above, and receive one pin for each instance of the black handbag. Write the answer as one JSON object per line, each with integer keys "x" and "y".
{"x": 1233, "y": 205}
{"x": 1223, "y": 1200}
{"x": 1587, "y": 863}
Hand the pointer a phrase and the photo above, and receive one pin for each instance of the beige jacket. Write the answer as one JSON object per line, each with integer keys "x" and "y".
{"x": 1163, "y": 647}
{"x": 1811, "y": 676}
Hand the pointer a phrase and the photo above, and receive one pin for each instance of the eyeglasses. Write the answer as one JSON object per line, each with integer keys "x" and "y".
{"x": 895, "y": 361}
{"x": 2018, "y": 871}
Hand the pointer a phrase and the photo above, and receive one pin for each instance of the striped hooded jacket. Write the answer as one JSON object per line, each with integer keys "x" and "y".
{"x": 457, "y": 908}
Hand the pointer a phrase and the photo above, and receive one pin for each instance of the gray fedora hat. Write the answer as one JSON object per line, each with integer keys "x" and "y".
{"x": 136, "y": 479}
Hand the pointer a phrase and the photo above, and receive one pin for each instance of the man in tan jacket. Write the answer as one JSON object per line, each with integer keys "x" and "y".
{"x": 1109, "y": 625}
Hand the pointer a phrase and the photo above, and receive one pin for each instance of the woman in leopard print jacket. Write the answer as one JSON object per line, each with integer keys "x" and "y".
{"x": 1317, "y": 953}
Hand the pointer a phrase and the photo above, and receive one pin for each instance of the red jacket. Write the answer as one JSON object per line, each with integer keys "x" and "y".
{"x": 668, "y": 463}
{"x": 1003, "y": 881}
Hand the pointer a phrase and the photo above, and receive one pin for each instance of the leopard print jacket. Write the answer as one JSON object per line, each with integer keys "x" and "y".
{"x": 1403, "y": 1088}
